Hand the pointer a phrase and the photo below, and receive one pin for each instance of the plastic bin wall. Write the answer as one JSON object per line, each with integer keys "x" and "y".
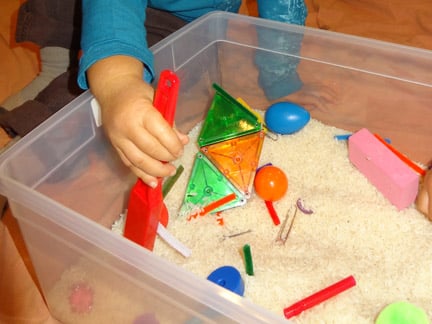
{"x": 66, "y": 185}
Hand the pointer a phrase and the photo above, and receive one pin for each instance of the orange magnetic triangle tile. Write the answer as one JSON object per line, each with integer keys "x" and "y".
{"x": 237, "y": 159}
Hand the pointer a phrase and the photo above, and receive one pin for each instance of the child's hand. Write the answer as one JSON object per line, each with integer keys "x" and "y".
{"x": 424, "y": 198}
{"x": 136, "y": 129}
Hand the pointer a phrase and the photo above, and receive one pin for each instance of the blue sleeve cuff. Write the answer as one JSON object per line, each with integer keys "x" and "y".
{"x": 113, "y": 27}
{"x": 111, "y": 48}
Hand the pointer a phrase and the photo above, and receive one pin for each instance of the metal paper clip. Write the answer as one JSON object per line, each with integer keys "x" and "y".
{"x": 235, "y": 235}
{"x": 271, "y": 135}
{"x": 281, "y": 237}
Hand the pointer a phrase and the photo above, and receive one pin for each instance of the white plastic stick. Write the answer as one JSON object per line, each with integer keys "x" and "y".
{"x": 172, "y": 241}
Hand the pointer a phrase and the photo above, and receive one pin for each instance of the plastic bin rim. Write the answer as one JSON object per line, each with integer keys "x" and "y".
{"x": 346, "y": 38}
{"x": 35, "y": 134}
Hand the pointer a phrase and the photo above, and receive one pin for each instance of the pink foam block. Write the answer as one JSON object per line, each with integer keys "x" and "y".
{"x": 389, "y": 174}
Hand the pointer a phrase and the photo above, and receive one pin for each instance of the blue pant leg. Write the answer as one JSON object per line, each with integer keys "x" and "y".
{"x": 278, "y": 56}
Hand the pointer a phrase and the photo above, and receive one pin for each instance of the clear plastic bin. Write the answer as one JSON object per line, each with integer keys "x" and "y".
{"x": 66, "y": 185}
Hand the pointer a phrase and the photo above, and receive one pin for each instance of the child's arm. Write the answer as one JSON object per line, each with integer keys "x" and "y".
{"x": 117, "y": 66}
{"x": 135, "y": 128}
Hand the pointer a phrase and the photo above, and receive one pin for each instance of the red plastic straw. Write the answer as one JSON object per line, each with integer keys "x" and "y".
{"x": 319, "y": 297}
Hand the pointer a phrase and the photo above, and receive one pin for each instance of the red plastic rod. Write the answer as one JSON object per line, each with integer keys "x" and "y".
{"x": 319, "y": 297}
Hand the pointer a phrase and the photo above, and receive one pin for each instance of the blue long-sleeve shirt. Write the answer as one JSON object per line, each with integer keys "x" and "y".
{"x": 116, "y": 27}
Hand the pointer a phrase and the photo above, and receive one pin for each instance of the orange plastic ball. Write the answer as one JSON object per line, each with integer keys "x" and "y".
{"x": 271, "y": 183}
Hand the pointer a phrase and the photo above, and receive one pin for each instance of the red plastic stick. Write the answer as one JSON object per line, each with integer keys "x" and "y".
{"x": 216, "y": 204}
{"x": 146, "y": 208}
{"x": 272, "y": 211}
{"x": 213, "y": 205}
{"x": 319, "y": 297}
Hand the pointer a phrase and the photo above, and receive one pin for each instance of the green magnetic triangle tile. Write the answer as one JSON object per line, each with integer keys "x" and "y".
{"x": 237, "y": 159}
{"x": 207, "y": 184}
{"x": 227, "y": 118}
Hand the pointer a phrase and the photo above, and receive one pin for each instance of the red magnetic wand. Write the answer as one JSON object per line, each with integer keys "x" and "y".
{"x": 146, "y": 208}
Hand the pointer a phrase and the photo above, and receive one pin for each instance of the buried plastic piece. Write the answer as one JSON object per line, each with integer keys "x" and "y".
{"x": 402, "y": 313}
{"x": 229, "y": 278}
